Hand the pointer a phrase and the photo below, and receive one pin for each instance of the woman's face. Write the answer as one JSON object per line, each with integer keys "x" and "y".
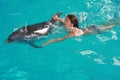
{"x": 67, "y": 23}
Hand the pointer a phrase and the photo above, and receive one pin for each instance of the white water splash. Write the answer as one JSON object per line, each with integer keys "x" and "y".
{"x": 108, "y": 1}
{"x": 114, "y": 35}
{"x": 56, "y": 29}
{"x": 103, "y": 38}
{"x": 89, "y": 4}
{"x": 87, "y": 52}
{"x": 104, "y": 11}
{"x": 116, "y": 61}
{"x": 99, "y": 61}
{"x": 82, "y": 16}
{"x": 105, "y": 8}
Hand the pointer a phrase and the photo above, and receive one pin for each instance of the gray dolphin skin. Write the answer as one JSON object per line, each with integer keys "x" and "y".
{"x": 30, "y": 32}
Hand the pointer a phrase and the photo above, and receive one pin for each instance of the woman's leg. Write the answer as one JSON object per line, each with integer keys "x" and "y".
{"x": 110, "y": 24}
{"x": 104, "y": 28}
{"x": 97, "y": 29}
{"x": 113, "y": 21}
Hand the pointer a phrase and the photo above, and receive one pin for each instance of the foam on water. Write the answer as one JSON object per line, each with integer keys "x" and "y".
{"x": 87, "y": 52}
{"x": 103, "y": 38}
{"x": 116, "y": 61}
{"x": 107, "y": 38}
{"x": 114, "y": 35}
{"x": 101, "y": 59}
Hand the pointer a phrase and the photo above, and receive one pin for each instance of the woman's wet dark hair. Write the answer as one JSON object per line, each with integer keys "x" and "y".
{"x": 73, "y": 20}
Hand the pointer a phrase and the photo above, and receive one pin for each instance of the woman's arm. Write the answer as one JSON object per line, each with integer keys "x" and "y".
{"x": 57, "y": 40}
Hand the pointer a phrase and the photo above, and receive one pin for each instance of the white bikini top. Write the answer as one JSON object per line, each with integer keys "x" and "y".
{"x": 78, "y": 32}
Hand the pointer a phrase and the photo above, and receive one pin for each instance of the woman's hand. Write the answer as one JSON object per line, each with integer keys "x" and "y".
{"x": 55, "y": 17}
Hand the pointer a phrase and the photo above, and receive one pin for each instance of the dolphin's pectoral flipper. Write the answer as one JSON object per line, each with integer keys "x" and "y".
{"x": 34, "y": 45}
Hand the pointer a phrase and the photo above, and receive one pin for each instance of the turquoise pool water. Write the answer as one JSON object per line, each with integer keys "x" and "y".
{"x": 93, "y": 57}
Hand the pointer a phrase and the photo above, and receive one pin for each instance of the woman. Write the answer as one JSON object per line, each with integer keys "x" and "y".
{"x": 71, "y": 24}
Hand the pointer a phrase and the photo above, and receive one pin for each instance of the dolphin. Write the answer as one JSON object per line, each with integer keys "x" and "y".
{"x": 30, "y": 32}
